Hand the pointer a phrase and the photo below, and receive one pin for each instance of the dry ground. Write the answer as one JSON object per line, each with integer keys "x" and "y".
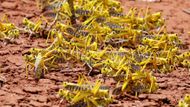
{"x": 22, "y": 92}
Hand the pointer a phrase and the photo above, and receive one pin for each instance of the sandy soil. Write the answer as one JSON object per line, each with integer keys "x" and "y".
{"x": 17, "y": 90}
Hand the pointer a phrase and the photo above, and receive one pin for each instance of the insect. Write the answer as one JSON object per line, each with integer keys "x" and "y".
{"x": 185, "y": 102}
{"x": 5, "y": 27}
{"x": 33, "y": 28}
{"x": 137, "y": 82}
{"x": 78, "y": 88}
{"x": 79, "y": 104}
{"x": 183, "y": 56}
{"x": 70, "y": 31}
{"x": 117, "y": 43}
{"x": 51, "y": 35}
{"x": 66, "y": 94}
{"x": 83, "y": 12}
{"x": 92, "y": 95}
{"x": 113, "y": 3}
{"x": 186, "y": 63}
{"x": 75, "y": 87}
{"x": 113, "y": 25}
{"x": 135, "y": 67}
{"x": 101, "y": 19}
{"x": 114, "y": 13}
{"x": 28, "y": 23}
{"x": 83, "y": 33}
{"x": 98, "y": 35}
{"x": 41, "y": 4}
{"x": 39, "y": 61}
{"x": 79, "y": 27}
{"x": 13, "y": 33}
{"x": 2, "y": 35}
{"x": 8, "y": 32}
{"x": 154, "y": 17}
{"x": 117, "y": 90}
{"x": 38, "y": 64}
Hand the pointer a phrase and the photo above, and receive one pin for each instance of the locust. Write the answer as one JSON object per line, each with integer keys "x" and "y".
{"x": 185, "y": 102}
{"x": 8, "y": 32}
{"x": 97, "y": 34}
{"x": 84, "y": 93}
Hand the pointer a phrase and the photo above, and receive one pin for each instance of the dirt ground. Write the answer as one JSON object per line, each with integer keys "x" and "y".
{"x": 18, "y": 91}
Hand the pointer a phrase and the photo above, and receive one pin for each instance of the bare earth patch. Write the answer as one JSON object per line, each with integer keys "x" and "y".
{"x": 17, "y": 90}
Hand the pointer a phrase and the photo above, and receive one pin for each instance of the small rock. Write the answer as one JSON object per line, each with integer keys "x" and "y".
{"x": 42, "y": 99}
{"x": 182, "y": 85}
{"x": 13, "y": 13}
{"x": 5, "y": 69}
{"x": 2, "y": 93}
{"x": 5, "y": 52}
{"x": 187, "y": 82}
{"x": 163, "y": 85}
{"x": 156, "y": 97}
{"x": 2, "y": 65}
{"x": 1, "y": 9}
{"x": 36, "y": 103}
{"x": 29, "y": 15}
{"x": 15, "y": 60}
{"x": 12, "y": 99}
{"x": 2, "y": 80}
{"x": 9, "y": 5}
{"x": 33, "y": 90}
{"x": 181, "y": 88}
{"x": 150, "y": 0}
{"x": 161, "y": 80}
{"x": 137, "y": 102}
{"x": 143, "y": 96}
{"x": 23, "y": 105}
{"x": 39, "y": 98}
{"x": 43, "y": 45}
{"x": 115, "y": 105}
{"x": 149, "y": 104}
{"x": 45, "y": 81}
{"x": 18, "y": 91}
{"x": 26, "y": 46}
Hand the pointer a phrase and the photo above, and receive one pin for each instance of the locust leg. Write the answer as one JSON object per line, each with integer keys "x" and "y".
{"x": 90, "y": 68}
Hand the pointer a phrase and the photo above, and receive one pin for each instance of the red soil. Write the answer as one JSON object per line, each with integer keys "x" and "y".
{"x": 17, "y": 90}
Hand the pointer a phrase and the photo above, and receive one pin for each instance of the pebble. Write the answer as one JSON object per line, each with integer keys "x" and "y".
{"x": 156, "y": 97}
{"x": 2, "y": 53}
{"x": 143, "y": 96}
{"x": 36, "y": 104}
{"x": 33, "y": 90}
{"x": 39, "y": 98}
{"x": 2, "y": 80}
{"x": 163, "y": 85}
{"x": 9, "y": 5}
{"x": 150, "y": 0}
{"x": 149, "y": 104}
{"x": 18, "y": 61}
{"x": 45, "y": 81}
